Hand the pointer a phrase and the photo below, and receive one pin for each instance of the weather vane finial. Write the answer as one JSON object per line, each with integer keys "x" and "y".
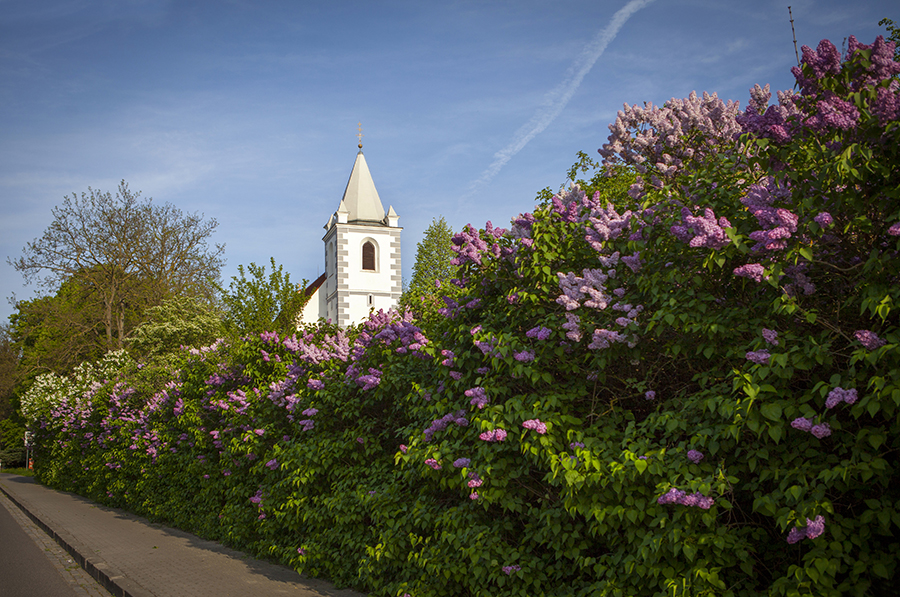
{"x": 359, "y": 135}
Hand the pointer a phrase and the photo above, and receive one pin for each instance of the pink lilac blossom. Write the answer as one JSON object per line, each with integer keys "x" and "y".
{"x": 535, "y": 425}
{"x": 869, "y": 339}
{"x": 433, "y": 464}
{"x": 894, "y": 230}
{"x": 403, "y": 448}
{"x": 496, "y": 435}
{"x": 473, "y": 496}
{"x": 474, "y": 480}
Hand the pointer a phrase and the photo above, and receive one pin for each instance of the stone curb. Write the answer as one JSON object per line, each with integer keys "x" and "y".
{"x": 110, "y": 578}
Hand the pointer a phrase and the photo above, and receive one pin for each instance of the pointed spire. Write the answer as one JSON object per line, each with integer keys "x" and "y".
{"x": 360, "y": 197}
{"x": 391, "y": 218}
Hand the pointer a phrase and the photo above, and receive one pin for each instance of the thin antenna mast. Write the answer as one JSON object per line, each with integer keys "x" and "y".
{"x": 795, "y": 36}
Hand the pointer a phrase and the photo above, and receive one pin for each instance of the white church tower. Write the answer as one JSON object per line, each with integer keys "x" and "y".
{"x": 362, "y": 255}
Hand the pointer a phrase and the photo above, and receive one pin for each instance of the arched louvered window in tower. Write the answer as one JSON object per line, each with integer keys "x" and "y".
{"x": 368, "y": 256}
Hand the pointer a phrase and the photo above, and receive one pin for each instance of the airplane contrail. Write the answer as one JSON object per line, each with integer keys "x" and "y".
{"x": 557, "y": 99}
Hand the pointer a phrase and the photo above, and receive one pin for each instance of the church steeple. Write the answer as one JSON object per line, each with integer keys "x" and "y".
{"x": 360, "y": 197}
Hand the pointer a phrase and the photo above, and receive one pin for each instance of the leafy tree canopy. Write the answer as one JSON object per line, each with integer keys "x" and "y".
{"x": 256, "y": 302}
{"x": 433, "y": 263}
{"x": 128, "y": 253}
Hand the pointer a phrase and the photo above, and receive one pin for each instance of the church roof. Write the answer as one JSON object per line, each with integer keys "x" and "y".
{"x": 360, "y": 198}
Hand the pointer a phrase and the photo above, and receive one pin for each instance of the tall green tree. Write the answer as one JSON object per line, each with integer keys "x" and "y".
{"x": 256, "y": 301}
{"x": 129, "y": 252}
{"x": 433, "y": 256}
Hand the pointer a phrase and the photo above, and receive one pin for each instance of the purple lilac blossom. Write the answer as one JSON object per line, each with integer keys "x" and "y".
{"x": 814, "y": 528}
{"x": 650, "y": 395}
{"x": 894, "y": 230}
{"x": 821, "y": 431}
{"x": 838, "y": 395}
{"x": 770, "y": 336}
{"x": 315, "y": 384}
{"x": 802, "y": 423}
{"x": 526, "y": 356}
{"x": 760, "y": 357}
{"x": 574, "y": 445}
{"x": 539, "y": 332}
{"x": 478, "y": 397}
{"x": 695, "y": 456}
{"x": 824, "y": 219}
{"x": 754, "y": 271}
{"x": 694, "y": 500}
{"x": 869, "y": 339}
{"x": 461, "y": 463}
{"x": 272, "y": 464}
{"x": 510, "y": 569}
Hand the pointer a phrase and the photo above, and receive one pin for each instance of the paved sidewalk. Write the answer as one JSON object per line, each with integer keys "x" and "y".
{"x": 133, "y": 557}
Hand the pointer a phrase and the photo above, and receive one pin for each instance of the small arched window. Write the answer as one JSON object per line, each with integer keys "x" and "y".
{"x": 368, "y": 256}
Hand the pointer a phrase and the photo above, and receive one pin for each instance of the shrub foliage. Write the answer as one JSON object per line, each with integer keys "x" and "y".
{"x": 689, "y": 389}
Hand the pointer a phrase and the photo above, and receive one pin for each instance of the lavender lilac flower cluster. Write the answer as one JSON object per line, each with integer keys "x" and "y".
{"x": 677, "y": 496}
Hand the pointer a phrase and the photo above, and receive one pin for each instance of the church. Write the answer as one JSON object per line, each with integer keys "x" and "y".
{"x": 362, "y": 256}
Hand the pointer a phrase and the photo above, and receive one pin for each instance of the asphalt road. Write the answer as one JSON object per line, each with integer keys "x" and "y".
{"x": 25, "y": 569}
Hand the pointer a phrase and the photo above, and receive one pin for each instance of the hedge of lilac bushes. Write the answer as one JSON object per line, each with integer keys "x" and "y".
{"x": 692, "y": 389}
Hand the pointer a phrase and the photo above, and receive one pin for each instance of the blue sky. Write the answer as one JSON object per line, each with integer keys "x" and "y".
{"x": 247, "y": 111}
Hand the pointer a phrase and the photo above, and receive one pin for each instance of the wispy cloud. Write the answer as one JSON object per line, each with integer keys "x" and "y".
{"x": 555, "y": 101}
